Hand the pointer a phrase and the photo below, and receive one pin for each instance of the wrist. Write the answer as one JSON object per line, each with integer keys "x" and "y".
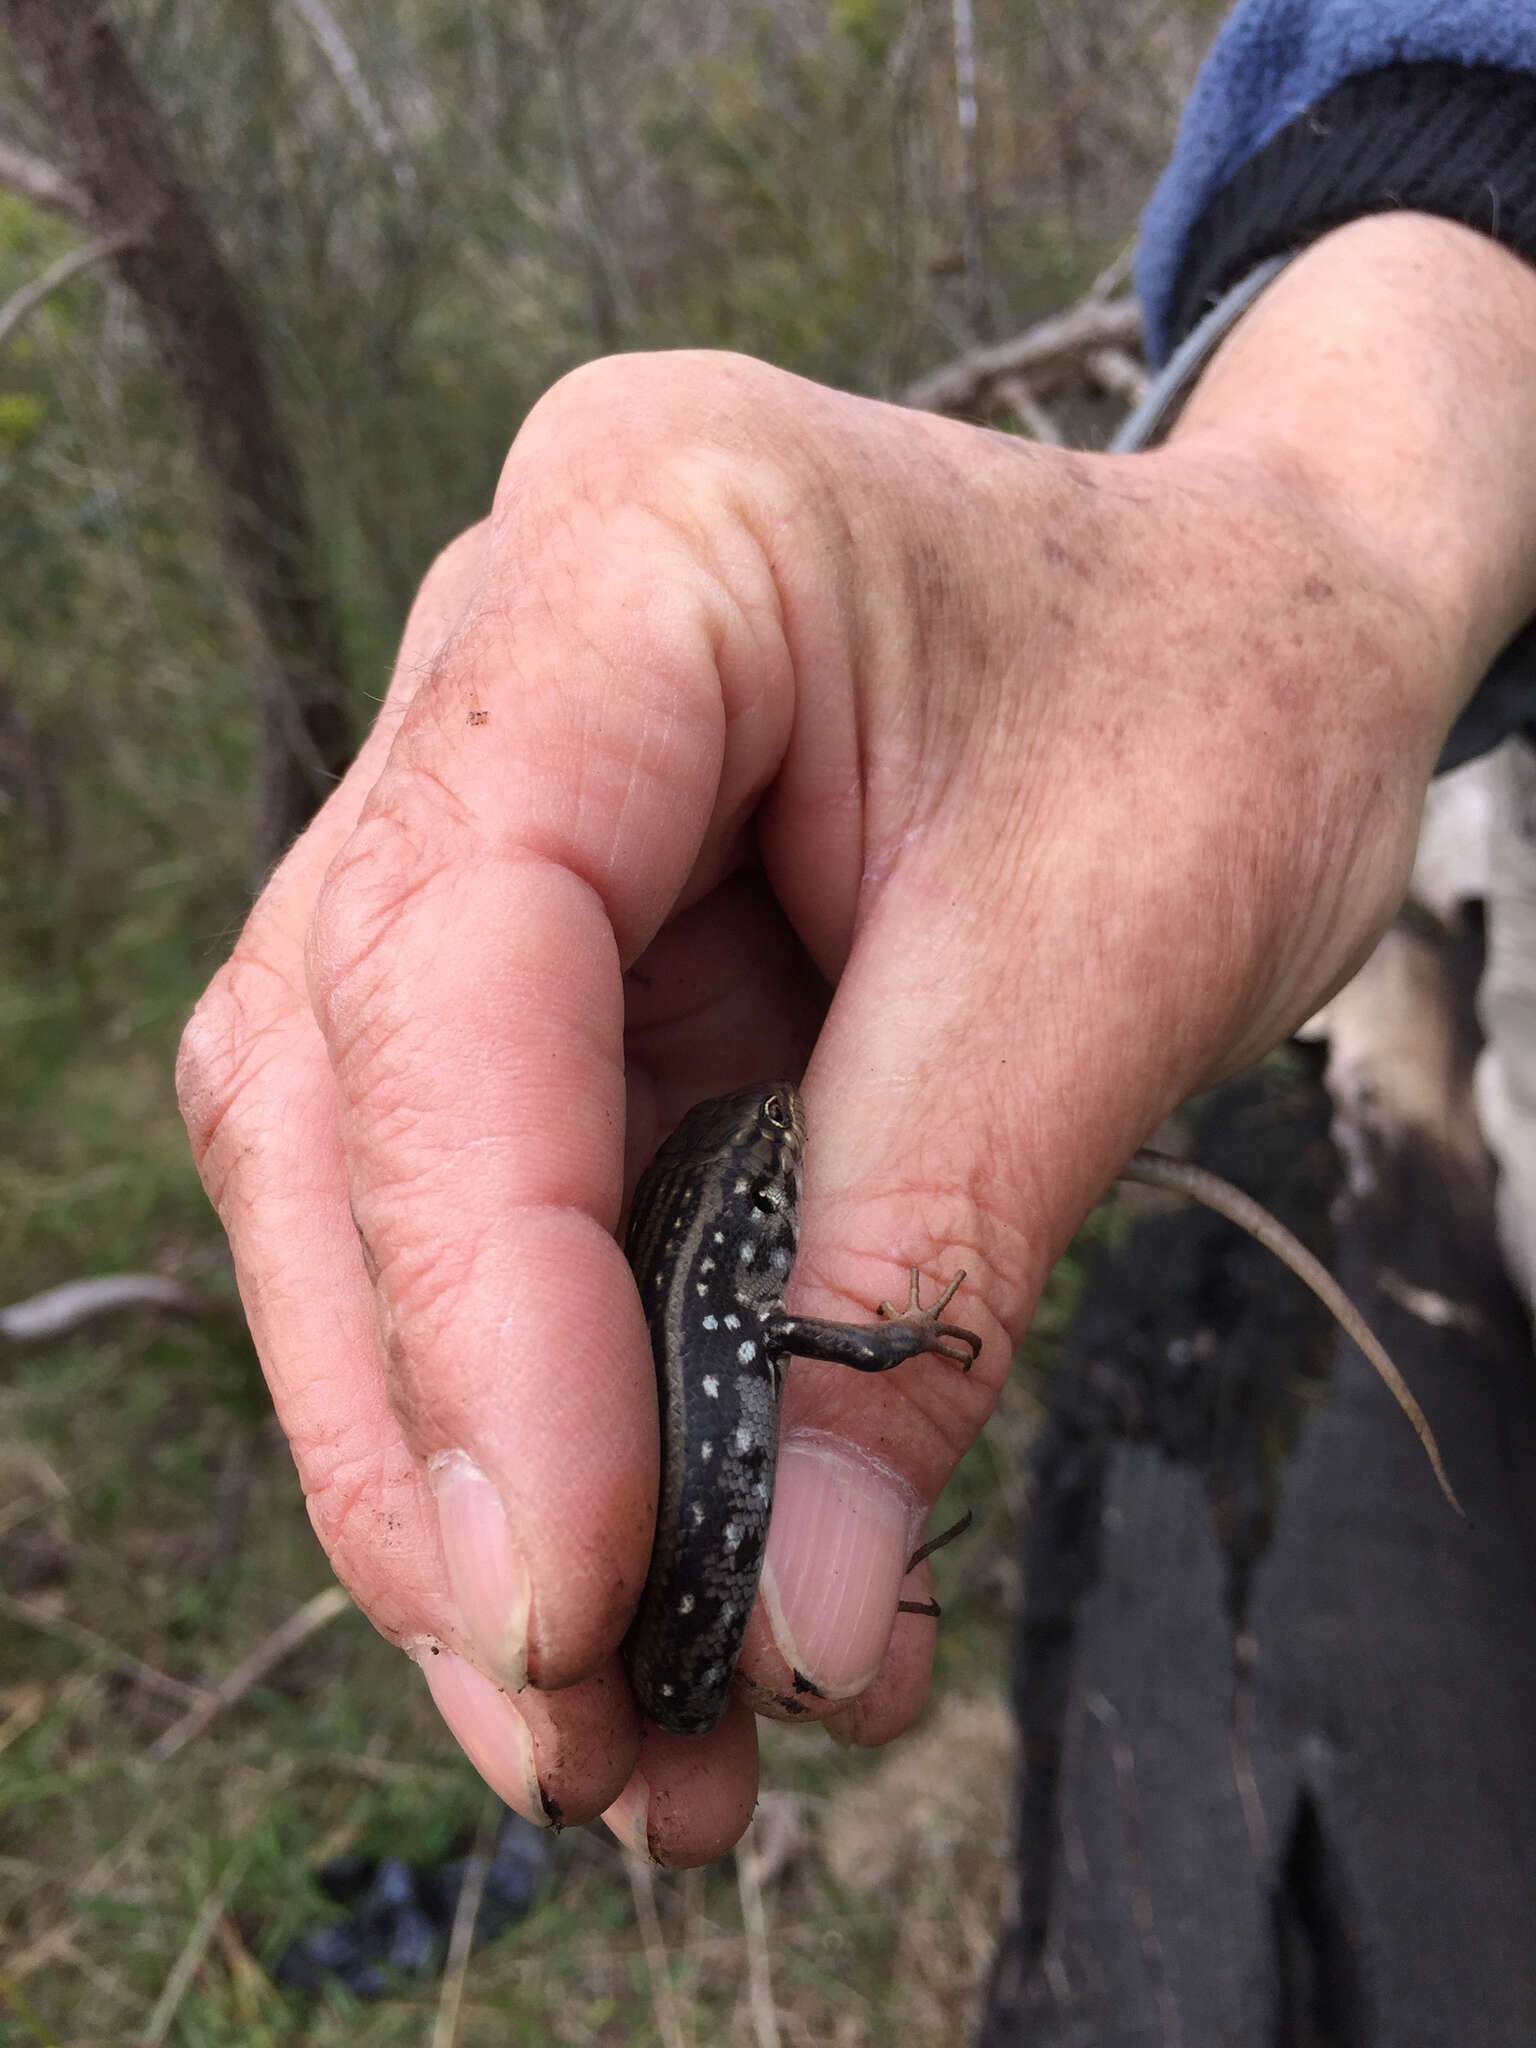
{"x": 1384, "y": 384}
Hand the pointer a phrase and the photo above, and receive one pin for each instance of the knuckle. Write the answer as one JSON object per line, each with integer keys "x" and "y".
{"x": 362, "y": 1498}
{"x": 205, "y": 1064}
{"x": 627, "y": 413}
{"x": 223, "y": 1051}
{"x": 424, "y": 1280}
{"x": 393, "y": 858}
{"x": 344, "y": 1482}
{"x": 594, "y": 397}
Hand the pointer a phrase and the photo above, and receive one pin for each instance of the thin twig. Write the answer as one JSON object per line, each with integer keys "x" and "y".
{"x": 1182, "y": 1176}
{"x": 58, "y": 1310}
{"x": 11, "y": 1994}
{"x": 339, "y": 54}
{"x": 1118, "y": 373}
{"x": 21, "y": 305}
{"x": 41, "y": 182}
{"x": 211, "y": 1912}
{"x": 972, "y": 237}
{"x": 643, "y": 1888}
{"x": 962, "y": 386}
{"x": 467, "y": 1911}
{"x": 754, "y": 1918}
{"x": 27, "y": 1706}
{"x": 1028, "y": 411}
{"x": 104, "y": 1651}
{"x": 1116, "y": 272}
{"x": 314, "y": 1615}
{"x": 58, "y": 1940}
{"x": 194, "y": 1948}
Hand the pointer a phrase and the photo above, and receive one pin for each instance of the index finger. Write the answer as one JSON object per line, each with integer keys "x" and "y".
{"x": 554, "y": 786}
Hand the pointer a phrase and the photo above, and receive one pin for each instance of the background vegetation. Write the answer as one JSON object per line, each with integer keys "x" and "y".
{"x": 433, "y": 208}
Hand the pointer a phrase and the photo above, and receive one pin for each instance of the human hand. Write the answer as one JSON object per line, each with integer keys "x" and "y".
{"x": 1080, "y": 779}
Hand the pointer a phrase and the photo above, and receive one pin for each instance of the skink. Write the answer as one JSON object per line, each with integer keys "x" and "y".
{"x": 712, "y": 1239}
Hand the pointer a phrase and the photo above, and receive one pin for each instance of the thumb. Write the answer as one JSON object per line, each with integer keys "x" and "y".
{"x": 901, "y": 1172}
{"x": 983, "y": 1071}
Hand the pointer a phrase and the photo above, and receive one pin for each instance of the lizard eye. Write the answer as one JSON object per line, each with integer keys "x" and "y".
{"x": 776, "y": 1113}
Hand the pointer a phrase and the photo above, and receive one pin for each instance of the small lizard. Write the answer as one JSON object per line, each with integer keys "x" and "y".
{"x": 712, "y": 1239}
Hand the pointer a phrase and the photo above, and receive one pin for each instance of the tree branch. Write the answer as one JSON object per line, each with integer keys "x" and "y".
{"x": 59, "y": 1310}
{"x": 969, "y": 384}
{"x": 122, "y": 160}
{"x": 314, "y": 1615}
{"x": 21, "y": 305}
{"x": 348, "y": 73}
{"x": 41, "y": 183}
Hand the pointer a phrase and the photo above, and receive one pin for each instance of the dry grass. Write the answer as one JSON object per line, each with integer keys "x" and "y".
{"x": 152, "y": 1538}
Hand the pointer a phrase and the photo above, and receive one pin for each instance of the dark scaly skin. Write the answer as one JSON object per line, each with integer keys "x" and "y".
{"x": 712, "y": 1241}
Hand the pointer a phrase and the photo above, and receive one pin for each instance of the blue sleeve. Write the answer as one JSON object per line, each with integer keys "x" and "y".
{"x": 1272, "y": 61}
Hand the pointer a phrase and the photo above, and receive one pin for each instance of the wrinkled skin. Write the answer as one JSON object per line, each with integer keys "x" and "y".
{"x": 1009, "y": 794}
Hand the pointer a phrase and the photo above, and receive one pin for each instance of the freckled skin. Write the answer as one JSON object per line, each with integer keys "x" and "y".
{"x": 712, "y": 1240}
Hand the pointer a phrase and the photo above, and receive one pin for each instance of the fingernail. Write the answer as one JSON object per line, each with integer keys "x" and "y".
{"x": 837, "y": 1552}
{"x": 629, "y": 1818}
{"x": 485, "y": 1570}
{"x": 486, "y": 1725}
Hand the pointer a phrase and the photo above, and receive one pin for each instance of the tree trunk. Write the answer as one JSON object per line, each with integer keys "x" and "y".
{"x": 118, "y": 155}
{"x": 1276, "y": 1702}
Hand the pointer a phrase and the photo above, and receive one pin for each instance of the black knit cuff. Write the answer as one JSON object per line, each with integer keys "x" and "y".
{"x": 1451, "y": 139}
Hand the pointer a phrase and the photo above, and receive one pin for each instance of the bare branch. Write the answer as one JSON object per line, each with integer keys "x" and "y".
{"x": 612, "y": 313}
{"x": 1118, "y": 373}
{"x": 1115, "y": 275}
{"x": 973, "y": 254}
{"x": 339, "y": 54}
{"x": 642, "y": 1886}
{"x": 101, "y": 1649}
{"x": 38, "y": 181}
{"x": 194, "y": 1948}
{"x": 966, "y": 385}
{"x": 445, "y": 2027}
{"x": 20, "y": 306}
{"x": 1028, "y": 411}
{"x": 306, "y": 1621}
{"x": 754, "y": 1920}
{"x": 59, "y": 1310}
